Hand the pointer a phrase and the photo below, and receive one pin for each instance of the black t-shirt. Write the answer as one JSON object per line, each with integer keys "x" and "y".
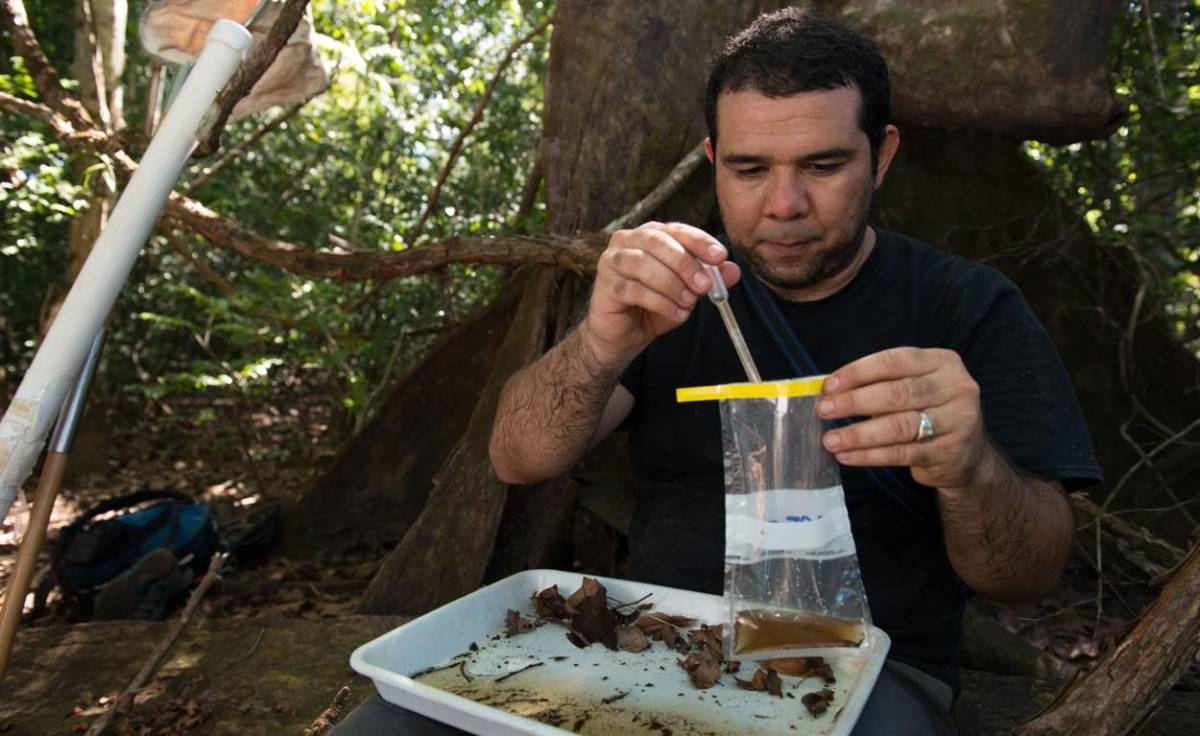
{"x": 906, "y": 294}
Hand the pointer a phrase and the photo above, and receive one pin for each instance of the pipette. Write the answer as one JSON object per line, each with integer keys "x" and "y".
{"x": 718, "y": 294}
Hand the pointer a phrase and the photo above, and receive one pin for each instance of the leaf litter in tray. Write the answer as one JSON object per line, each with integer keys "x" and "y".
{"x": 590, "y": 619}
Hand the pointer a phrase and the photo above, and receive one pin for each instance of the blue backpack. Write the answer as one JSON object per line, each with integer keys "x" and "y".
{"x": 176, "y": 535}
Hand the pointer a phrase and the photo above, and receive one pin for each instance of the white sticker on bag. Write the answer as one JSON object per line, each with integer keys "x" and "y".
{"x": 808, "y": 523}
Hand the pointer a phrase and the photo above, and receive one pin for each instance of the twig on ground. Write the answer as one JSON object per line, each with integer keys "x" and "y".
{"x": 502, "y": 678}
{"x": 661, "y": 193}
{"x": 125, "y": 699}
{"x": 476, "y": 116}
{"x": 619, "y": 605}
{"x": 233, "y": 663}
{"x": 330, "y": 715}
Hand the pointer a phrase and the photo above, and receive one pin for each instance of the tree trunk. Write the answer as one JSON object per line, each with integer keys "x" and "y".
{"x": 378, "y": 484}
{"x": 445, "y": 552}
{"x": 1124, "y": 690}
{"x": 587, "y": 185}
{"x": 98, "y": 66}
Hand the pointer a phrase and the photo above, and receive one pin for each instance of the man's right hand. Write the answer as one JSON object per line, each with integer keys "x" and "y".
{"x": 648, "y": 280}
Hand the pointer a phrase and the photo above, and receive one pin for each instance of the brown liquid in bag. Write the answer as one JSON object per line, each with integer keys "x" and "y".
{"x": 760, "y": 630}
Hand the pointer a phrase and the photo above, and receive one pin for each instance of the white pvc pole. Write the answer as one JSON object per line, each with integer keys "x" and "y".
{"x": 25, "y": 425}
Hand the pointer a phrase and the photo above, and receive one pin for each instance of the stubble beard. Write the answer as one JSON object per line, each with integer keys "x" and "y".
{"x": 822, "y": 266}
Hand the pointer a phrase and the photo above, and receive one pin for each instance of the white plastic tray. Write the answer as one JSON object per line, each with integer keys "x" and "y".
{"x": 592, "y": 690}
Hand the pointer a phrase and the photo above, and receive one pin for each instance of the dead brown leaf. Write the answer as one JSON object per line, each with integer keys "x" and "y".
{"x": 550, "y": 604}
{"x": 708, "y": 639}
{"x": 758, "y": 683}
{"x": 801, "y": 667}
{"x": 515, "y": 623}
{"x": 663, "y": 626}
{"x": 703, "y": 668}
{"x": 818, "y": 702}
{"x": 591, "y": 618}
{"x": 631, "y": 639}
{"x": 774, "y": 684}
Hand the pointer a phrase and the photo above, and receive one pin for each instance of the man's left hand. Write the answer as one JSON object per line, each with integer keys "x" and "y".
{"x": 893, "y": 388}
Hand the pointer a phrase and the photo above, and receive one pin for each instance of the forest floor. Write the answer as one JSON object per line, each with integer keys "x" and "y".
{"x": 246, "y": 458}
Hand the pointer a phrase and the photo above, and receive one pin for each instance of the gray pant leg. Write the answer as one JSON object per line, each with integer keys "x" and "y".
{"x": 907, "y": 702}
{"x": 377, "y": 717}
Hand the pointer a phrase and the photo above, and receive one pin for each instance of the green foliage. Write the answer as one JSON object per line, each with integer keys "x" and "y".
{"x": 36, "y": 203}
{"x": 352, "y": 170}
{"x": 1140, "y": 188}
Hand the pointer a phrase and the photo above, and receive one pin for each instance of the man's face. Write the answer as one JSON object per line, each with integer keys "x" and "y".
{"x": 794, "y": 183}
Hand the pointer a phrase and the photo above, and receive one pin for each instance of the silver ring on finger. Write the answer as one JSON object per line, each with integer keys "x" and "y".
{"x": 925, "y": 429}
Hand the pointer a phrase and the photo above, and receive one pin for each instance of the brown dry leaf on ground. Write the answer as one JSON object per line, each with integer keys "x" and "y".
{"x": 703, "y": 668}
{"x": 758, "y": 683}
{"x": 818, "y": 702}
{"x": 801, "y": 667}
{"x": 590, "y": 599}
{"x": 765, "y": 680}
{"x": 708, "y": 638}
{"x": 774, "y": 684}
{"x": 550, "y": 604}
{"x": 515, "y": 623}
{"x": 591, "y": 619}
{"x": 663, "y": 627}
{"x": 631, "y": 639}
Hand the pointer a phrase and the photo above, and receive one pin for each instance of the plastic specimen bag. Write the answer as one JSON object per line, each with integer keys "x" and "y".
{"x": 792, "y": 579}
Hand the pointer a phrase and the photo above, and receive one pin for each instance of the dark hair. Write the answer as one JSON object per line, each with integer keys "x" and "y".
{"x": 791, "y": 51}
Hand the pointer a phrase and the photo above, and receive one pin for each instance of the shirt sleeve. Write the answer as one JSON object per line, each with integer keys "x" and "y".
{"x": 1029, "y": 405}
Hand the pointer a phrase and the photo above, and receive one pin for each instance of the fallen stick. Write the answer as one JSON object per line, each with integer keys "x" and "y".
{"x": 101, "y": 724}
{"x": 502, "y": 678}
{"x": 330, "y": 715}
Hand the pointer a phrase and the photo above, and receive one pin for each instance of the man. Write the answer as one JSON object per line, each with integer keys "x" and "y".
{"x": 959, "y": 390}
{"x": 917, "y": 344}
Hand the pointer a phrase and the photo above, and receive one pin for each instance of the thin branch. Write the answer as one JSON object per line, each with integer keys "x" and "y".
{"x": 88, "y": 139}
{"x": 661, "y": 193}
{"x": 529, "y": 194}
{"x": 1145, "y": 458}
{"x": 502, "y": 678}
{"x": 29, "y": 108}
{"x": 227, "y": 289}
{"x": 330, "y": 715}
{"x": 262, "y": 633}
{"x": 236, "y": 151}
{"x": 49, "y": 88}
{"x": 100, "y": 725}
{"x": 476, "y": 116}
{"x": 1157, "y": 65}
{"x": 249, "y": 73}
{"x": 578, "y": 254}
{"x": 96, "y": 64}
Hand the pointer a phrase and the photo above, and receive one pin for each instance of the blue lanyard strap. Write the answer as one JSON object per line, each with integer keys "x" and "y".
{"x": 905, "y": 495}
